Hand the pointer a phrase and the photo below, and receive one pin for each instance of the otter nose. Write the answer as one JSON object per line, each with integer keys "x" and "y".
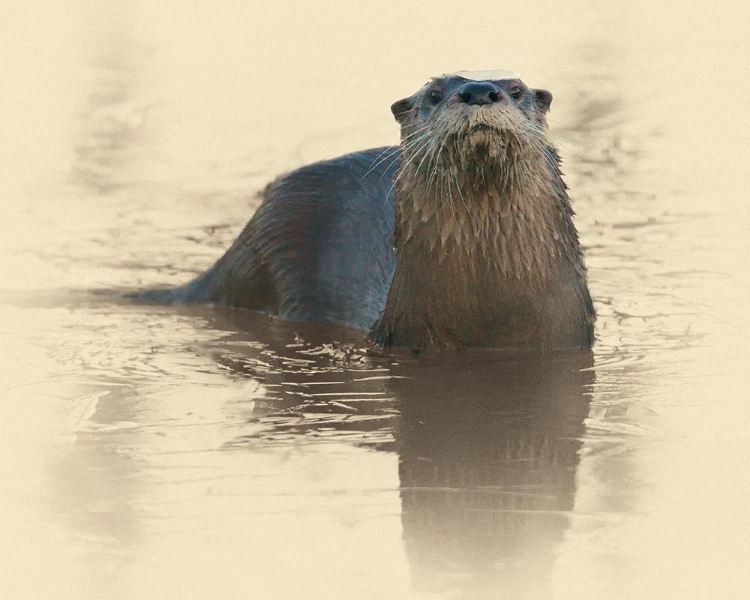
{"x": 479, "y": 92}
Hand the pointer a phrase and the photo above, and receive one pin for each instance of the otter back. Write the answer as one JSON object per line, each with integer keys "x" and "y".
{"x": 319, "y": 248}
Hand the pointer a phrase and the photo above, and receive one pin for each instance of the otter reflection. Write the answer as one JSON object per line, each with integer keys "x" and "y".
{"x": 488, "y": 446}
{"x": 487, "y": 441}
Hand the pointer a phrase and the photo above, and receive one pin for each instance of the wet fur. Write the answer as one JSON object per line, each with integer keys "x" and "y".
{"x": 319, "y": 248}
{"x": 486, "y": 253}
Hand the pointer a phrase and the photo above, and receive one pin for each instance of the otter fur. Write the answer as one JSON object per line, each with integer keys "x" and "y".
{"x": 461, "y": 236}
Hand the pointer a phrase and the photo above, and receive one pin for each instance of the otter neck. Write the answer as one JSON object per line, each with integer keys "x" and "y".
{"x": 505, "y": 213}
{"x": 480, "y": 252}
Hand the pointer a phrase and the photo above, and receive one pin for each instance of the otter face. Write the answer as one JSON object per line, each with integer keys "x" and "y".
{"x": 491, "y": 94}
{"x": 484, "y": 114}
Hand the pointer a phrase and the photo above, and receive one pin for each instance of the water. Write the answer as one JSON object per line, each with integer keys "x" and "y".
{"x": 156, "y": 452}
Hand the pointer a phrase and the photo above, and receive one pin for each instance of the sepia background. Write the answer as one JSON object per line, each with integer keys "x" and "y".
{"x": 177, "y": 452}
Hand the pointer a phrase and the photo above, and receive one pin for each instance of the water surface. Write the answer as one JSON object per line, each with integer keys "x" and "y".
{"x": 164, "y": 452}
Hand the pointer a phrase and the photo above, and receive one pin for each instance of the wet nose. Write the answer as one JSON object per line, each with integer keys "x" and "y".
{"x": 479, "y": 92}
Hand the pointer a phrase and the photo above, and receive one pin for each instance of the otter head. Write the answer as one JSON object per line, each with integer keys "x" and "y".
{"x": 473, "y": 120}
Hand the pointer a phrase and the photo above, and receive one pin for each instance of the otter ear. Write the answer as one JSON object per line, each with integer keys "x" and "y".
{"x": 401, "y": 109}
{"x": 543, "y": 99}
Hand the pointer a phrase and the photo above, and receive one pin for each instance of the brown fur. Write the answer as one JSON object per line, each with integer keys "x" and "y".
{"x": 486, "y": 250}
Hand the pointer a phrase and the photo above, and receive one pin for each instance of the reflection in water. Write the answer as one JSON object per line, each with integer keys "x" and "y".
{"x": 487, "y": 441}
{"x": 488, "y": 448}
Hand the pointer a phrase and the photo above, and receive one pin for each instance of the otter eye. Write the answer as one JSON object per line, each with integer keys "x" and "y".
{"x": 515, "y": 92}
{"x": 436, "y": 96}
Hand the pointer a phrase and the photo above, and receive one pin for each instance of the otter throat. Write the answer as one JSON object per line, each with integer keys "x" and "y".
{"x": 475, "y": 270}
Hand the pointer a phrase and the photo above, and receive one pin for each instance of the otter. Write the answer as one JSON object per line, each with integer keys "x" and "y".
{"x": 461, "y": 236}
